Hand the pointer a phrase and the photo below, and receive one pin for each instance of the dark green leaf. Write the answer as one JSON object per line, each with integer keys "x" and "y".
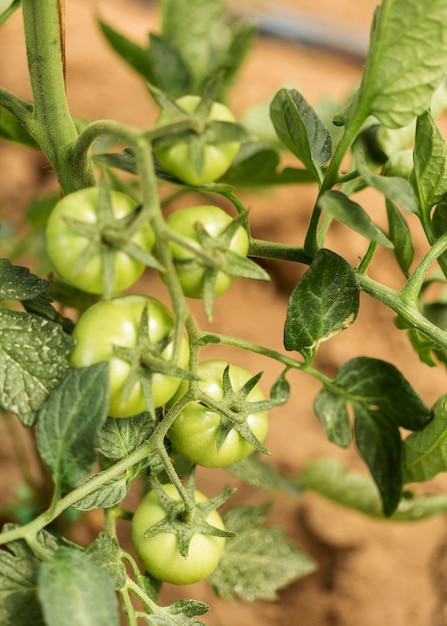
{"x": 69, "y": 423}
{"x": 332, "y": 412}
{"x": 170, "y": 71}
{"x": 400, "y": 236}
{"x": 74, "y": 590}
{"x": 12, "y": 130}
{"x": 258, "y": 474}
{"x": 32, "y": 362}
{"x": 379, "y": 385}
{"x": 350, "y": 213}
{"x": 426, "y": 450}
{"x": 329, "y": 479}
{"x": 301, "y": 130}
{"x": 257, "y": 166}
{"x": 429, "y": 177}
{"x": 133, "y": 54}
{"x": 257, "y": 562}
{"x": 18, "y": 283}
{"x": 379, "y": 443}
{"x": 19, "y": 605}
{"x": 324, "y": 302}
{"x": 407, "y": 60}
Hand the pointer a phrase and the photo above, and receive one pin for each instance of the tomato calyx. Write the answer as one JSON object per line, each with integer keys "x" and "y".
{"x": 234, "y": 409}
{"x": 146, "y": 359}
{"x": 185, "y": 524}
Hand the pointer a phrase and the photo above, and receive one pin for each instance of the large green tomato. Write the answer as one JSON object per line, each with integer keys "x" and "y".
{"x": 65, "y": 246}
{"x": 160, "y": 554}
{"x": 115, "y": 322}
{"x": 217, "y": 158}
{"x": 190, "y": 268}
{"x": 194, "y": 431}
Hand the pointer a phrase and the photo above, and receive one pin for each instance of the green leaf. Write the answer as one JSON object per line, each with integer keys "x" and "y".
{"x": 353, "y": 490}
{"x": 257, "y": 166}
{"x": 18, "y": 283}
{"x": 19, "y": 566}
{"x": 429, "y": 177}
{"x": 426, "y": 450}
{"x": 105, "y": 552}
{"x": 379, "y": 443}
{"x": 258, "y": 561}
{"x": 407, "y": 60}
{"x": 133, "y": 54}
{"x": 74, "y": 590}
{"x": 109, "y": 494}
{"x": 12, "y": 130}
{"x": 332, "y": 412}
{"x": 394, "y": 188}
{"x": 400, "y": 236}
{"x": 189, "y": 28}
{"x": 324, "y": 302}
{"x": 119, "y": 437}
{"x": 180, "y": 613}
{"x": 69, "y": 422}
{"x": 32, "y": 362}
{"x": 258, "y": 474}
{"x": 382, "y": 400}
{"x": 301, "y": 130}
{"x": 340, "y": 207}
{"x": 171, "y": 73}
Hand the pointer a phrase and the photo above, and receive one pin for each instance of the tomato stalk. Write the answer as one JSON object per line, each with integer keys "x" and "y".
{"x": 51, "y": 124}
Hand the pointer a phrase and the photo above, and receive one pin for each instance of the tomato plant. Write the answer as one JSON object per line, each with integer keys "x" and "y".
{"x": 160, "y": 553}
{"x": 201, "y": 228}
{"x": 79, "y": 354}
{"x": 214, "y": 158}
{"x": 208, "y": 437}
{"x": 77, "y": 245}
{"x": 112, "y": 331}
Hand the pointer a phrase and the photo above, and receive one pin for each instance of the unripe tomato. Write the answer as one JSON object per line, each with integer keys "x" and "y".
{"x": 115, "y": 322}
{"x": 194, "y": 431}
{"x": 191, "y": 269}
{"x": 160, "y": 554}
{"x": 65, "y": 246}
{"x": 217, "y": 158}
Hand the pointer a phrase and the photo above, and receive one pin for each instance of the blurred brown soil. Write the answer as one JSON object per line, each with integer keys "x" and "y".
{"x": 370, "y": 572}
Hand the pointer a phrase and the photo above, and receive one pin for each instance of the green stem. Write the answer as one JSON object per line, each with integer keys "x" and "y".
{"x": 366, "y": 261}
{"x": 331, "y": 177}
{"x": 273, "y": 250}
{"x": 175, "y": 479}
{"x": 54, "y": 128}
{"x": 394, "y": 300}
{"x": 410, "y": 292}
{"x": 80, "y": 492}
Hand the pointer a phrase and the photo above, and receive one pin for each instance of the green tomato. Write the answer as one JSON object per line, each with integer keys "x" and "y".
{"x": 160, "y": 554}
{"x": 115, "y": 322}
{"x": 217, "y": 158}
{"x": 190, "y": 268}
{"x": 194, "y": 431}
{"x": 66, "y": 247}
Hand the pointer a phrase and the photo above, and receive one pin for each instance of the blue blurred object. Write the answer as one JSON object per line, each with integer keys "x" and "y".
{"x": 274, "y": 19}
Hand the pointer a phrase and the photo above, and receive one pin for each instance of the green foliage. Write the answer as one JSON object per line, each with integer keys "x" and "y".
{"x": 384, "y": 138}
{"x": 259, "y": 561}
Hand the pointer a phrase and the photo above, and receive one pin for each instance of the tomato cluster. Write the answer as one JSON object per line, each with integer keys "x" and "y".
{"x": 98, "y": 243}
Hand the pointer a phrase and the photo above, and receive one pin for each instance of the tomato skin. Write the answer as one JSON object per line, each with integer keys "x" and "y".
{"x": 64, "y": 245}
{"x": 194, "y": 431}
{"x": 115, "y": 322}
{"x": 160, "y": 554}
{"x": 214, "y": 220}
{"x": 216, "y": 159}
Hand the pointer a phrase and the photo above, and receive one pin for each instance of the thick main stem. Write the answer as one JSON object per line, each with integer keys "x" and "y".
{"x": 54, "y": 127}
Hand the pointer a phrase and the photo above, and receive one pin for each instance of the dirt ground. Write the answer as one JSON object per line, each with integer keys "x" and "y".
{"x": 370, "y": 572}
